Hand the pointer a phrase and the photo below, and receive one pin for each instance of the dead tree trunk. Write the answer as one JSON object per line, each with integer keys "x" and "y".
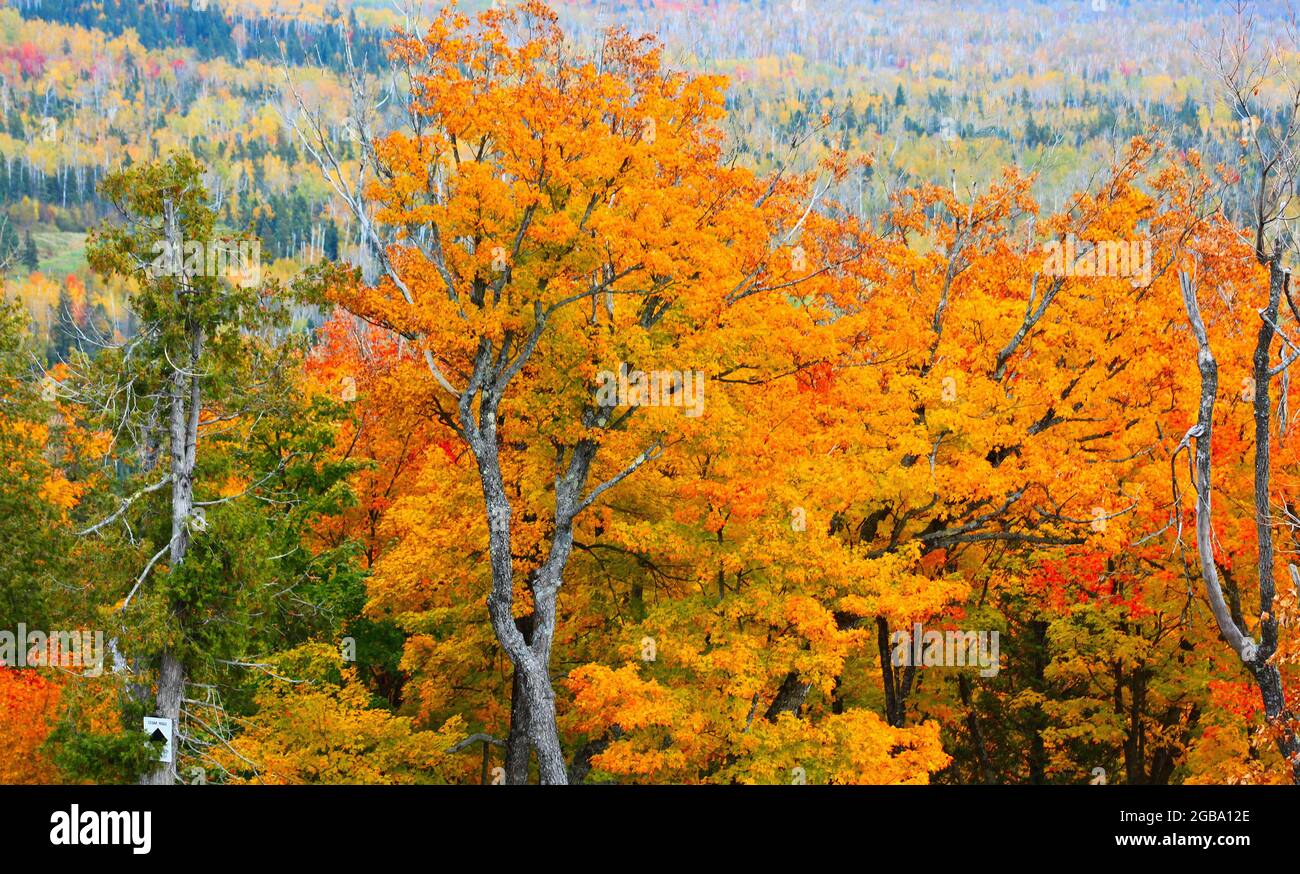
{"x": 1255, "y": 656}
{"x": 185, "y": 403}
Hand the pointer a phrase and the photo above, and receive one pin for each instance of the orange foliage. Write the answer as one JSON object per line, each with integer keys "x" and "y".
{"x": 28, "y": 705}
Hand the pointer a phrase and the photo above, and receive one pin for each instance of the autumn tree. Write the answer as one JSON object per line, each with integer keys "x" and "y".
{"x": 1270, "y": 166}
{"x": 35, "y": 495}
{"x": 545, "y": 215}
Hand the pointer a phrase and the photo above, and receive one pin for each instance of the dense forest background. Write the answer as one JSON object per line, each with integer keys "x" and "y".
{"x": 1058, "y": 88}
{"x": 358, "y": 512}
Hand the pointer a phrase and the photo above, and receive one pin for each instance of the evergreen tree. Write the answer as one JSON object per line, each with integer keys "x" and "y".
{"x": 332, "y": 241}
{"x": 207, "y": 563}
{"x": 31, "y": 255}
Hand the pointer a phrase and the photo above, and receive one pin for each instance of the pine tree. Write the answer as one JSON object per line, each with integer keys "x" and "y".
{"x": 332, "y": 241}
{"x": 31, "y": 255}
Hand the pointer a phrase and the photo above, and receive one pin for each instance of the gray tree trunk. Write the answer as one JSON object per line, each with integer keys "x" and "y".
{"x": 1256, "y": 657}
{"x": 1267, "y": 675}
{"x": 519, "y": 747}
{"x": 185, "y": 402}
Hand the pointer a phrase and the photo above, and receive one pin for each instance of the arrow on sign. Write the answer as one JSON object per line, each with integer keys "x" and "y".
{"x": 160, "y": 731}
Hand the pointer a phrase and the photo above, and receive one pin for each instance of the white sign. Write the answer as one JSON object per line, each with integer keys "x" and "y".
{"x": 160, "y": 730}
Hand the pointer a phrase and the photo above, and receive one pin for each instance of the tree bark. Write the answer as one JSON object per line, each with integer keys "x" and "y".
{"x": 185, "y": 402}
{"x": 897, "y": 684}
{"x": 789, "y": 697}
{"x": 519, "y": 747}
{"x": 171, "y": 684}
{"x": 531, "y": 662}
{"x": 1256, "y": 657}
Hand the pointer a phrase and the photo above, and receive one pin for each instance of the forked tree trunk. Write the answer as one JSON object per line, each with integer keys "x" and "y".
{"x": 531, "y": 662}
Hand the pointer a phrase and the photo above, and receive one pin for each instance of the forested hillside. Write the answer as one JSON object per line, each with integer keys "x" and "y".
{"x": 812, "y": 393}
